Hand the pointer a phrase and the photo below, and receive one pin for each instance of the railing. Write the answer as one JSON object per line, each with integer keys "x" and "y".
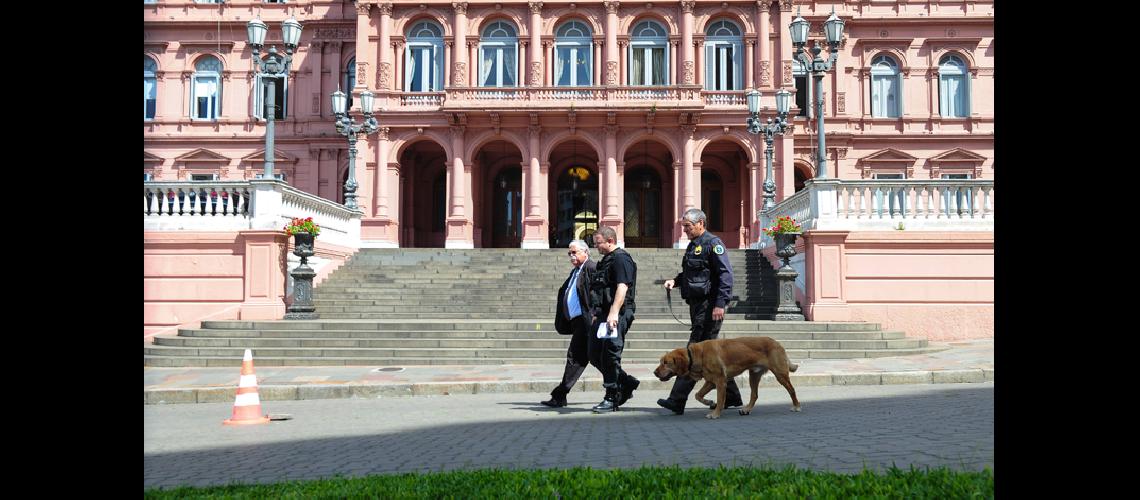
{"x": 723, "y": 97}
{"x": 943, "y": 204}
{"x": 648, "y": 93}
{"x": 645, "y": 95}
{"x": 243, "y": 205}
{"x": 413, "y": 99}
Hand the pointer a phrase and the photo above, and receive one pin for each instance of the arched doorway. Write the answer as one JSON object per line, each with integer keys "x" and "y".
{"x": 725, "y": 192}
{"x": 802, "y": 174}
{"x": 642, "y": 208}
{"x": 712, "y": 200}
{"x": 506, "y": 225}
{"x": 423, "y": 196}
{"x": 577, "y": 210}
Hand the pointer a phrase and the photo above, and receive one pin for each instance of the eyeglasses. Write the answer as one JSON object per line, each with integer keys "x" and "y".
{"x": 572, "y": 252}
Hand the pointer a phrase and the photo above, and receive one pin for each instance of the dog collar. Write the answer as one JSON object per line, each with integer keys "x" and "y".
{"x": 690, "y": 352}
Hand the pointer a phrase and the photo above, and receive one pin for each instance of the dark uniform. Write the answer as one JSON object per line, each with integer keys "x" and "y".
{"x": 605, "y": 354}
{"x": 705, "y": 282}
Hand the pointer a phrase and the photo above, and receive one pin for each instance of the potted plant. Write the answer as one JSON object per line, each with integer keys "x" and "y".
{"x": 303, "y": 231}
{"x": 784, "y": 231}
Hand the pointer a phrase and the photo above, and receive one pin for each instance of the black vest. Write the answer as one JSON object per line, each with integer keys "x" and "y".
{"x": 603, "y": 287}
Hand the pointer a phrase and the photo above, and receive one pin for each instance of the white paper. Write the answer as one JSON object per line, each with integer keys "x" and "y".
{"x": 604, "y": 331}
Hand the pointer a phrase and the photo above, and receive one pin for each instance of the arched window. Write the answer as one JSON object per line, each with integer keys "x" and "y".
{"x": 498, "y": 61}
{"x": 649, "y": 54}
{"x": 573, "y": 63}
{"x": 150, "y": 87}
{"x": 349, "y": 80}
{"x": 723, "y": 56}
{"x": 953, "y": 87}
{"x": 206, "y": 89}
{"x": 886, "y": 88}
{"x": 423, "y": 59}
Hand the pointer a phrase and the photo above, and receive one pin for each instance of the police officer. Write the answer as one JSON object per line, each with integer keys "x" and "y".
{"x": 706, "y": 285}
{"x": 613, "y": 290}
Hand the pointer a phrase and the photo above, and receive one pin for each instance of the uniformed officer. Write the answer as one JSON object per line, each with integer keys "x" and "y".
{"x": 613, "y": 292}
{"x": 705, "y": 281}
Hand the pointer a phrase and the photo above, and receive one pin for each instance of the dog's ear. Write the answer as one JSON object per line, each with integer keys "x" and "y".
{"x": 682, "y": 362}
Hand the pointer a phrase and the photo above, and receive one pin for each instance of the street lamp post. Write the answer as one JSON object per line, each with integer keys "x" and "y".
{"x": 769, "y": 129}
{"x": 818, "y": 67}
{"x": 346, "y": 127}
{"x": 269, "y": 69}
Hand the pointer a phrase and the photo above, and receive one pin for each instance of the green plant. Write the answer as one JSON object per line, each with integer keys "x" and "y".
{"x": 303, "y": 226}
{"x": 783, "y": 225}
{"x": 900, "y": 227}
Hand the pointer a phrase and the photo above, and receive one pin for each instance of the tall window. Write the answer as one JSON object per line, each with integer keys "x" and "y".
{"x": 885, "y": 88}
{"x": 890, "y": 199}
{"x": 261, "y": 98}
{"x": 150, "y": 88}
{"x": 206, "y": 92}
{"x": 723, "y": 56}
{"x": 803, "y": 88}
{"x": 648, "y": 56}
{"x": 572, "y": 62}
{"x": 953, "y": 87}
{"x": 423, "y": 59}
{"x": 349, "y": 80}
{"x": 498, "y": 61}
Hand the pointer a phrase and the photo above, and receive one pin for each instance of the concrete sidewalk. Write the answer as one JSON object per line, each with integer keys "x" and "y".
{"x": 964, "y": 361}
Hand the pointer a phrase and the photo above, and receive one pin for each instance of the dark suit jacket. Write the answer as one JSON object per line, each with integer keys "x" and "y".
{"x": 561, "y": 324}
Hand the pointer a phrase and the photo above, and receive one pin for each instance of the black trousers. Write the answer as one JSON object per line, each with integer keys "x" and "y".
{"x": 576, "y": 357}
{"x": 704, "y": 328}
{"x": 605, "y": 354}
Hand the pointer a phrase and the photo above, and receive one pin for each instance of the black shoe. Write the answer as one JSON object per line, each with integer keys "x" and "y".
{"x": 605, "y": 405}
{"x": 555, "y": 402}
{"x": 677, "y": 408}
{"x": 627, "y": 390}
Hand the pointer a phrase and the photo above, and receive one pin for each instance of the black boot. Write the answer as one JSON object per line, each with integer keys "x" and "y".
{"x": 627, "y": 389}
{"x": 677, "y": 407}
{"x": 557, "y": 398}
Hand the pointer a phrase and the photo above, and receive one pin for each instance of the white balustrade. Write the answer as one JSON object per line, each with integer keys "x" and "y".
{"x": 723, "y": 97}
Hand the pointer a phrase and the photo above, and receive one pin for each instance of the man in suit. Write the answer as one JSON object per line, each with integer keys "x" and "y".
{"x": 573, "y": 318}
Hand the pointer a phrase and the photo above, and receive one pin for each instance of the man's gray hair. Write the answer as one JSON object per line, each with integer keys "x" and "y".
{"x": 580, "y": 245}
{"x": 694, "y": 215}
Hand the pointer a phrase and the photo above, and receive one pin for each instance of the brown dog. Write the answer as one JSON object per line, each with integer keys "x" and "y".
{"x": 718, "y": 359}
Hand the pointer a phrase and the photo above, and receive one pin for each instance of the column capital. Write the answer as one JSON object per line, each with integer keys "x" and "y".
{"x": 383, "y": 133}
{"x": 460, "y": 8}
{"x": 687, "y": 6}
{"x": 384, "y": 8}
{"x": 751, "y": 42}
{"x": 535, "y": 7}
{"x": 363, "y": 8}
{"x": 611, "y": 6}
{"x": 786, "y": 6}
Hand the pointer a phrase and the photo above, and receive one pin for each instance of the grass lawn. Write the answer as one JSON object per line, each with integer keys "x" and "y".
{"x": 645, "y": 482}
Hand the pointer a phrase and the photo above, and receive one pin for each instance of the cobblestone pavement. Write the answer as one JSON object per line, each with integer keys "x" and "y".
{"x": 841, "y": 429}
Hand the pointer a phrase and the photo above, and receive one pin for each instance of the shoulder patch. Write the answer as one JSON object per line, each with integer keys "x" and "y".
{"x": 719, "y": 250}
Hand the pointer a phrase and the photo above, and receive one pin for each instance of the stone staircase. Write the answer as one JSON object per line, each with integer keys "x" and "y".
{"x": 392, "y": 307}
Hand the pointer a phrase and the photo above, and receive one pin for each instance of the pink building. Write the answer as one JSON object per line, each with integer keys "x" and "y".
{"x": 508, "y": 124}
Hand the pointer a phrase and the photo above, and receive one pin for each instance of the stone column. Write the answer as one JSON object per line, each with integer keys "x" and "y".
{"x": 535, "y": 42}
{"x": 458, "y": 234}
{"x": 459, "y": 56}
{"x": 688, "y": 198}
{"x": 380, "y": 183}
{"x": 611, "y": 42}
{"x": 678, "y": 189}
{"x": 689, "y": 73}
{"x": 611, "y": 212}
{"x": 786, "y": 50}
{"x": 674, "y": 78}
{"x": 597, "y": 81}
{"x": 549, "y": 66}
{"x": 534, "y": 229}
{"x": 698, "y": 73}
{"x": 749, "y": 69}
{"x": 623, "y": 63}
{"x": 765, "y": 77}
{"x": 316, "y": 50}
{"x": 756, "y": 196}
{"x": 398, "y": 75}
{"x": 384, "y": 61}
{"x": 474, "y": 48}
{"x": 363, "y": 58}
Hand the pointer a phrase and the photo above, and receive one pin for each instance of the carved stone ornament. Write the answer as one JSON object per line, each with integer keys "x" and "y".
{"x": 361, "y": 80}
{"x": 787, "y": 72}
{"x": 786, "y": 5}
{"x": 611, "y": 72}
{"x": 460, "y": 73}
{"x": 841, "y": 101}
{"x": 611, "y": 7}
{"x": 535, "y": 7}
{"x": 687, "y": 6}
{"x": 460, "y": 8}
{"x": 335, "y": 34}
{"x": 383, "y": 76}
{"x": 385, "y": 9}
{"x": 688, "y": 74}
{"x": 535, "y": 73}
{"x": 765, "y": 73}
{"x": 362, "y": 8}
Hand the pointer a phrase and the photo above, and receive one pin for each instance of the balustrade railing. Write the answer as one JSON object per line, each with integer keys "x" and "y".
{"x": 191, "y": 199}
{"x": 723, "y": 97}
{"x": 414, "y": 99}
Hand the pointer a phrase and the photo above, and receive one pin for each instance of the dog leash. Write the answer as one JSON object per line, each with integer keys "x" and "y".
{"x": 669, "y": 299}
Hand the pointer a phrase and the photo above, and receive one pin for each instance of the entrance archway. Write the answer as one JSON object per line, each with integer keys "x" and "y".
{"x": 643, "y": 221}
{"x": 506, "y": 217}
{"x": 725, "y": 192}
{"x": 574, "y": 187}
{"x": 423, "y": 197}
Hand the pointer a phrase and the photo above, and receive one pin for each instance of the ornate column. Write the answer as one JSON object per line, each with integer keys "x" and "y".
{"x": 548, "y": 68}
{"x": 755, "y": 195}
{"x": 678, "y": 189}
{"x": 380, "y": 183}
{"x": 448, "y": 70}
{"x": 623, "y": 64}
{"x": 535, "y": 42}
{"x": 675, "y": 78}
{"x": 687, "y": 201}
{"x": 363, "y": 58}
{"x": 763, "y": 7}
{"x": 597, "y": 81}
{"x": 474, "y": 48}
{"x": 611, "y": 42}
{"x": 457, "y": 222}
{"x": 384, "y": 64}
{"x": 459, "y": 56}
{"x": 698, "y": 73}
{"x": 611, "y": 213}
{"x": 749, "y": 69}
{"x": 689, "y": 73}
{"x": 785, "y": 50}
{"x": 316, "y": 50}
{"x": 398, "y": 75}
{"x": 534, "y": 230}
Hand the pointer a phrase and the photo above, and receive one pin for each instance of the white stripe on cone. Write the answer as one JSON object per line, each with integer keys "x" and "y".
{"x": 248, "y": 356}
{"x": 248, "y": 381}
{"x": 250, "y": 399}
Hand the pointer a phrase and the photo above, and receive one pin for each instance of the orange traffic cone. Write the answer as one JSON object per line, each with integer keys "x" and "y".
{"x": 247, "y": 404}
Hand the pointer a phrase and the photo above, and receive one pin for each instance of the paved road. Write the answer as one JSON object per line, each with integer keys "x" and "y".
{"x": 840, "y": 429}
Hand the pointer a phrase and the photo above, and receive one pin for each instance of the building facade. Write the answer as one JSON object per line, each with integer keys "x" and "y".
{"x": 507, "y": 124}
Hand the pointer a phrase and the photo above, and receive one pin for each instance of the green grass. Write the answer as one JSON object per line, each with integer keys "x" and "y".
{"x": 646, "y": 482}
